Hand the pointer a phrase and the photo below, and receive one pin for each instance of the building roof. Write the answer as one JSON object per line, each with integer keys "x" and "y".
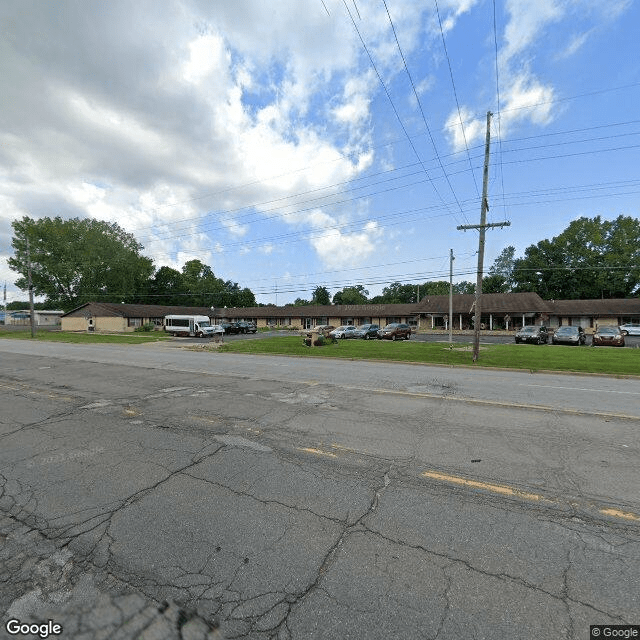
{"x": 315, "y": 311}
{"x": 498, "y": 303}
{"x": 596, "y": 307}
{"x": 115, "y": 310}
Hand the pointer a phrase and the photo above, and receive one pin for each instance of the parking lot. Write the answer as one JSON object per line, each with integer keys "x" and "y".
{"x": 631, "y": 341}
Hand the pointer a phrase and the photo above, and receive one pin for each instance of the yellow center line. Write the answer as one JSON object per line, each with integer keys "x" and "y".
{"x": 616, "y": 513}
{"x": 487, "y": 486}
{"x": 317, "y": 452}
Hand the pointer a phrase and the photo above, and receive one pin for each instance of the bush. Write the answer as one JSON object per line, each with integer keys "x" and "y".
{"x": 146, "y": 327}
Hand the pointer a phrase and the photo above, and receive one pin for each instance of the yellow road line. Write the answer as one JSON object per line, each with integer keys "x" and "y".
{"x": 487, "y": 486}
{"x": 317, "y": 452}
{"x": 616, "y": 513}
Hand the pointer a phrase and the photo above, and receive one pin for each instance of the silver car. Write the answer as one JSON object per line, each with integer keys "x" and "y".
{"x": 346, "y": 331}
{"x": 630, "y": 329}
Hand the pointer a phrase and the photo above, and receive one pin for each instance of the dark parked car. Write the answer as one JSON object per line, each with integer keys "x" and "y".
{"x": 230, "y": 327}
{"x": 395, "y": 331}
{"x": 247, "y": 327}
{"x": 367, "y": 331}
{"x": 569, "y": 335}
{"x": 537, "y": 334}
{"x": 608, "y": 336}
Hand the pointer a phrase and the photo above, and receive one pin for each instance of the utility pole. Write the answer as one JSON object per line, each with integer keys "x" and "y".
{"x": 31, "y": 311}
{"x": 451, "y": 259}
{"x": 483, "y": 226}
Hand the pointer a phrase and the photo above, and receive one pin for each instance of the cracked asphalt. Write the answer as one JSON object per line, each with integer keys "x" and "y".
{"x": 351, "y": 500}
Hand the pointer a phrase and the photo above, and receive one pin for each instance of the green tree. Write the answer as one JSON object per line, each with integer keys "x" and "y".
{"x": 351, "y": 295}
{"x": 502, "y": 266}
{"x": 591, "y": 258}
{"x": 464, "y": 287}
{"x": 79, "y": 260}
{"x": 167, "y": 287}
{"x": 494, "y": 284}
{"x": 398, "y": 293}
{"x": 321, "y": 296}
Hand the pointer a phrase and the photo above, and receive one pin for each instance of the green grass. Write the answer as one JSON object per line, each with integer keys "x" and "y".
{"x": 86, "y": 338}
{"x": 529, "y": 357}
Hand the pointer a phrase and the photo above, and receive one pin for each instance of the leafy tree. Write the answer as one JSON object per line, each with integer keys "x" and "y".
{"x": 436, "y": 288}
{"x": 494, "y": 284}
{"x": 167, "y": 287}
{"x": 464, "y": 287}
{"x": 299, "y": 302}
{"x": 591, "y": 258}
{"x": 351, "y": 295}
{"x": 321, "y": 296}
{"x": 503, "y": 266}
{"x": 398, "y": 293}
{"x": 78, "y": 260}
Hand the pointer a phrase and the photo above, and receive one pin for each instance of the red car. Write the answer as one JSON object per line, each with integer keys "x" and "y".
{"x": 608, "y": 336}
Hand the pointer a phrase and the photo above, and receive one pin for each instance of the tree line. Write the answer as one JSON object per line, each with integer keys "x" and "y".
{"x": 81, "y": 260}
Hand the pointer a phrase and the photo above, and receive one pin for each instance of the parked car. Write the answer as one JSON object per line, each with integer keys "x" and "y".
{"x": 230, "y": 327}
{"x": 569, "y": 335}
{"x": 395, "y": 331}
{"x": 247, "y": 327}
{"x": 367, "y": 331}
{"x": 322, "y": 329}
{"x": 345, "y": 331}
{"x": 537, "y": 334}
{"x": 608, "y": 336}
{"x": 630, "y": 329}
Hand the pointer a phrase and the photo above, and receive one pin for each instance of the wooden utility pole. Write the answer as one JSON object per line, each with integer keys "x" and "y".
{"x": 482, "y": 228}
{"x": 451, "y": 259}
{"x": 31, "y": 311}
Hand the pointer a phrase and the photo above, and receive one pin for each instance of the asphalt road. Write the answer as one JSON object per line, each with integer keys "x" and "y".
{"x": 289, "y": 498}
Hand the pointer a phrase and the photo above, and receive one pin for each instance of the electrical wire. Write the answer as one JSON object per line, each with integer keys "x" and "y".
{"x": 424, "y": 118}
{"x": 455, "y": 94}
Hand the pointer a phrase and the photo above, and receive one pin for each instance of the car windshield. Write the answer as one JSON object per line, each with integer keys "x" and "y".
{"x": 529, "y": 329}
{"x": 608, "y": 330}
{"x": 392, "y": 325}
{"x": 204, "y": 324}
{"x": 566, "y": 331}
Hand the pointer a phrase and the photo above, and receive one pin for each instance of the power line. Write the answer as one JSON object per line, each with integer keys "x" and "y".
{"x": 498, "y": 114}
{"x": 455, "y": 94}
{"x": 393, "y": 106}
{"x": 424, "y": 119}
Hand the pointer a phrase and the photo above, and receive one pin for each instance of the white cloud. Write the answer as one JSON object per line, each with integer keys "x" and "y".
{"x": 337, "y": 249}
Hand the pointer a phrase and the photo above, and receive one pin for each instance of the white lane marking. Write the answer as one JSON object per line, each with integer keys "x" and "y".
{"x": 553, "y": 386}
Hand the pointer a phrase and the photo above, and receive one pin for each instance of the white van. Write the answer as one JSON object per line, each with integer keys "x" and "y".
{"x": 199, "y": 326}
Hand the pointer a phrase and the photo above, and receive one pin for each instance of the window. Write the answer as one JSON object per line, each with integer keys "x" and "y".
{"x": 156, "y": 321}
{"x": 135, "y": 322}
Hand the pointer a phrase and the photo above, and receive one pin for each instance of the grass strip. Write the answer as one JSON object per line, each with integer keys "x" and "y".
{"x": 512, "y": 356}
{"x": 86, "y": 338}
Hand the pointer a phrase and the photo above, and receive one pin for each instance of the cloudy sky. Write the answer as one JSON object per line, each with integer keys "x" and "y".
{"x": 292, "y": 143}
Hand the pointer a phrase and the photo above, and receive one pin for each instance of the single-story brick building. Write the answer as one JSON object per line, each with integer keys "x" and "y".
{"x": 499, "y": 311}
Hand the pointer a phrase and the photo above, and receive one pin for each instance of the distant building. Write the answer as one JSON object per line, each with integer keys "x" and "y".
{"x": 43, "y": 317}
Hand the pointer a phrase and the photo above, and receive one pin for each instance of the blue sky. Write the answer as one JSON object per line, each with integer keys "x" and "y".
{"x": 264, "y": 139}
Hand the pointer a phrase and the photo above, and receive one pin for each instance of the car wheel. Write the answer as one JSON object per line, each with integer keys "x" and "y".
{"x": 366, "y": 336}
{"x": 624, "y": 333}
{"x": 407, "y": 336}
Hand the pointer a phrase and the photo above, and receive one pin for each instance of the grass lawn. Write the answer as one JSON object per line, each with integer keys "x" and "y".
{"x": 517, "y": 356}
{"x": 86, "y": 338}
